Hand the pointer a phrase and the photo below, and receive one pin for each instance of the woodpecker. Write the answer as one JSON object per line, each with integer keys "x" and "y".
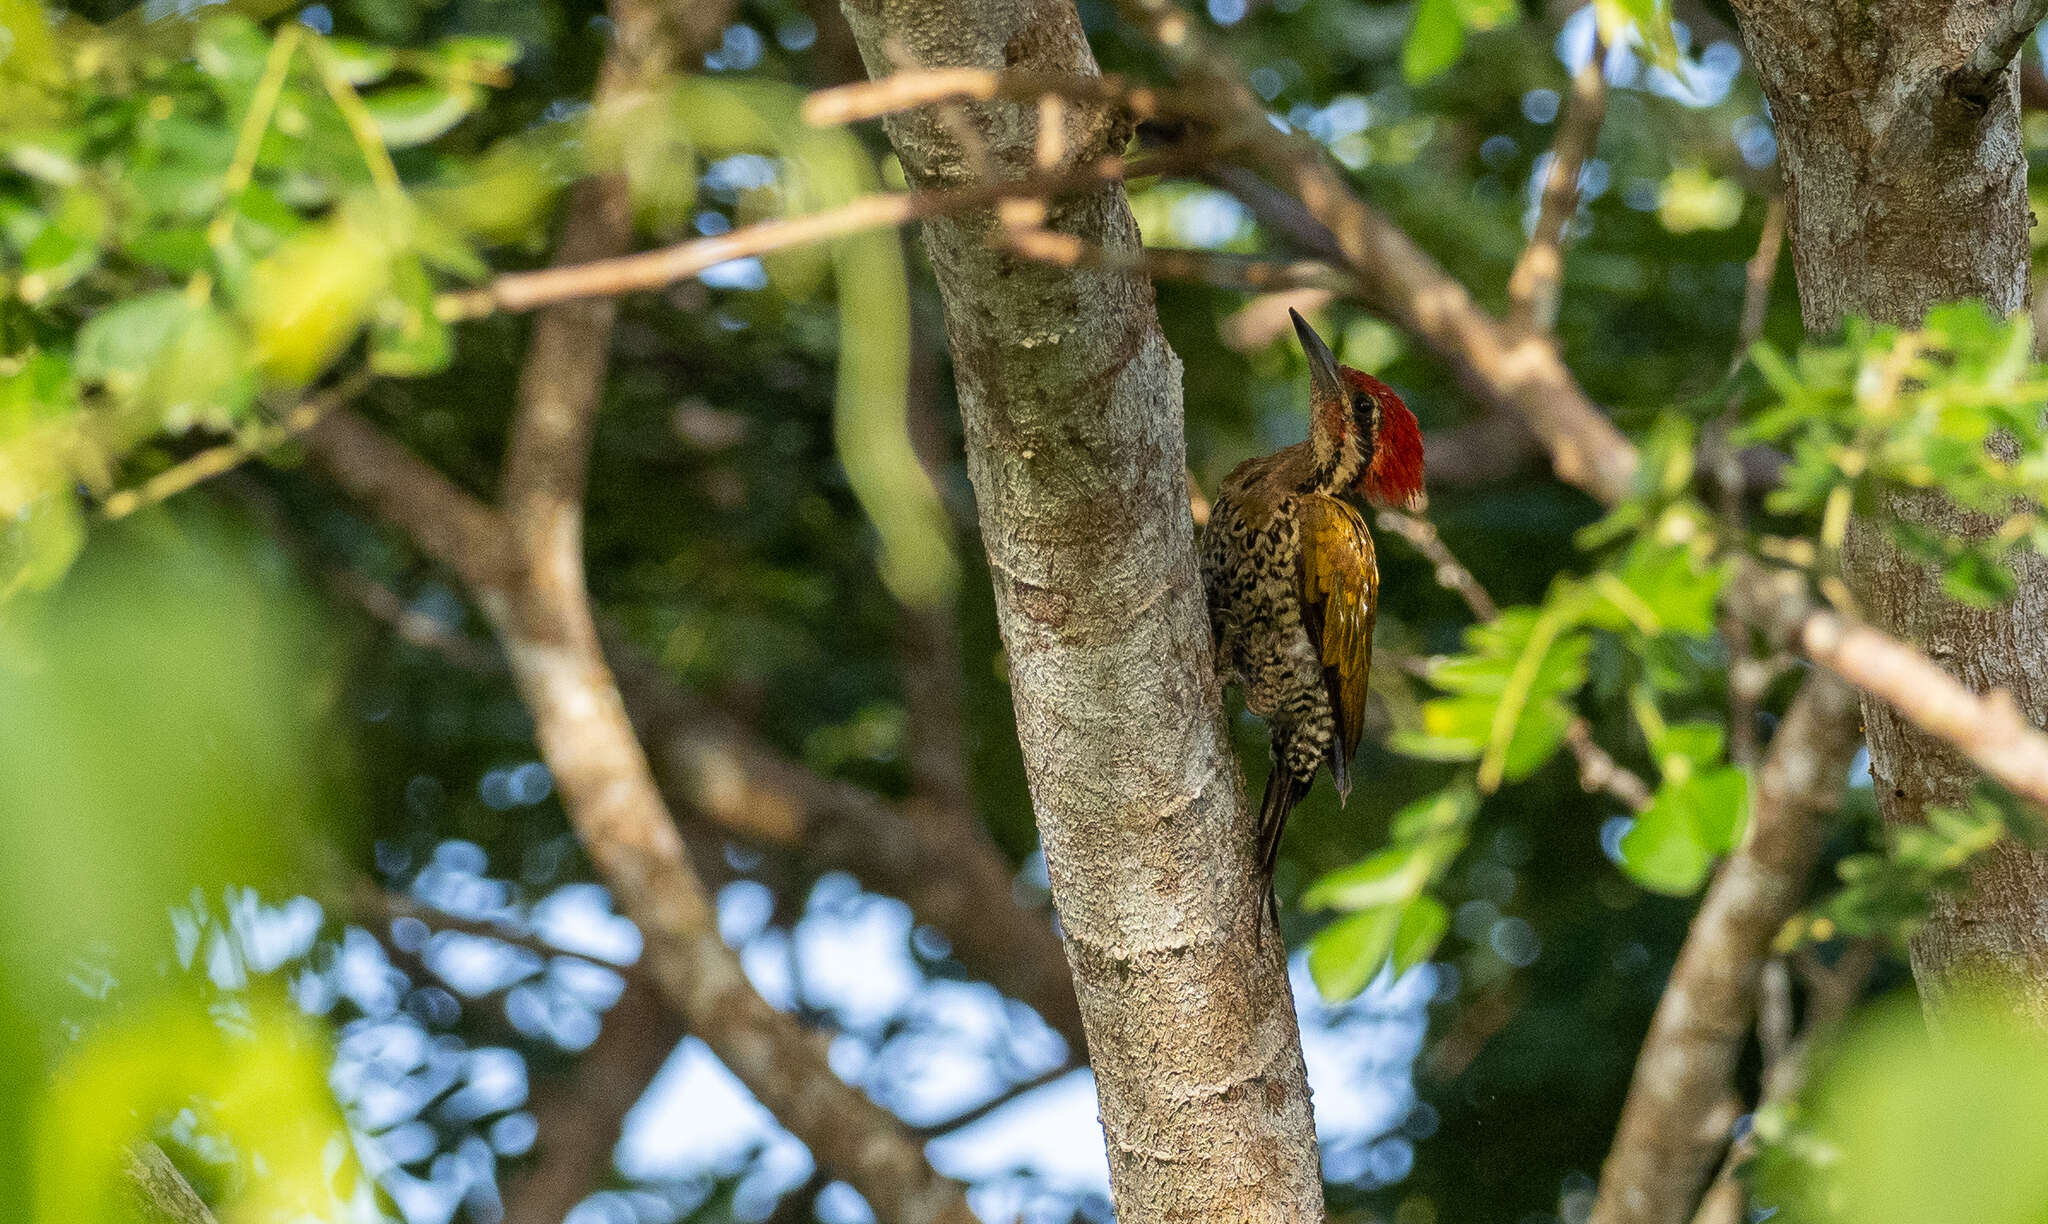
{"x": 1293, "y": 584}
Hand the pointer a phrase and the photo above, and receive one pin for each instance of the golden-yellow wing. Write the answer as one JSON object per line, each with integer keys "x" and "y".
{"x": 1339, "y": 578}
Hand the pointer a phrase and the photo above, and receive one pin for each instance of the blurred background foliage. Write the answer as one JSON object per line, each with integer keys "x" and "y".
{"x": 222, "y": 714}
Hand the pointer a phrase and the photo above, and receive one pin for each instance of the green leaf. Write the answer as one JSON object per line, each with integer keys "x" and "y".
{"x": 1422, "y": 928}
{"x": 1698, "y": 743}
{"x": 1652, "y": 19}
{"x": 39, "y": 543}
{"x": 487, "y": 50}
{"x": 1907, "y": 1127}
{"x": 181, "y": 360}
{"x": 178, "y": 250}
{"x": 231, "y": 48}
{"x": 1447, "y": 811}
{"x": 308, "y": 299}
{"x": 407, "y": 338}
{"x": 1391, "y": 877}
{"x": 67, "y": 248}
{"x": 1661, "y": 852}
{"x": 1692, "y": 818}
{"x": 1979, "y": 581}
{"x": 504, "y": 195}
{"x": 1720, "y": 801}
{"x": 410, "y": 115}
{"x": 1672, "y": 585}
{"x": 360, "y": 63}
{"x": 119, "y": 345}
{"x": 1562, "y": 669}
{"x": 1435, "y": 40}
{"x": 1347, "y": 955}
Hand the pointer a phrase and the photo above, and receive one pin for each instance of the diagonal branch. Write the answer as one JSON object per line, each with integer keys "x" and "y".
{"x": 716, "y": 773}
{"x": 2003, "y": 41}
{"x": 541, "y": 611}
{"x": 1503, "y": 366}
{"x": 582, "y": 1112}
{"x": 1682, "y": 1099}
{"x": 1533, "y": 287}
{"x": 1988, "y": 728}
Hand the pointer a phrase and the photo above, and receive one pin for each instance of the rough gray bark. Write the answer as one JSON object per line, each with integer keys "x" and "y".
{"x": 1906, "y": 178}
{"x": 1075, "y": 446}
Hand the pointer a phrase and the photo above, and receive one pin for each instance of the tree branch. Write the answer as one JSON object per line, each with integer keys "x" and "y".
{"x": 582, "y": 1112}
{"x": 1534, "y": 286}
{"x": 1831, "y": 992}
{"x": 2002, "y": 42}
{"x": 160, "y": 1193}
{"x": 610, "y": 276}
{"x": 1988, "y": 728}
{"x": 1503, "y": 366}
{"x": 543, "y": 617}
{"x": 1681, "y": 1101}
{"x": 940, "y": 865}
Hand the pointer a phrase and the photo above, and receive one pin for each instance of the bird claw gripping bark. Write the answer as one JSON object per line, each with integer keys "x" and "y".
{"x": 1293, "y": 582}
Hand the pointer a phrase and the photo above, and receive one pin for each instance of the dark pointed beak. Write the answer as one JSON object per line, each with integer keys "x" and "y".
{"x": 1322, "y": 363}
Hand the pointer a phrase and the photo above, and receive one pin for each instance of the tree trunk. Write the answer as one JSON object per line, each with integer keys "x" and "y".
{"x": 1072, "y": 407}
{"x": 1907, "y": 183}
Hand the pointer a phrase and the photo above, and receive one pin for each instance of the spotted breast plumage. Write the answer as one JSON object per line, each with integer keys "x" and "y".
{"x": 1293, "y": 582}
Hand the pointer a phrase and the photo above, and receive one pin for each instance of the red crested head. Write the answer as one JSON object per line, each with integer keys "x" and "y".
{"x": 1393, "y": 440}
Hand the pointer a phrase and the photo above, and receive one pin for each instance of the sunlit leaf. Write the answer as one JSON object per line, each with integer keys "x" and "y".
{"x": 360, "y": 63}
{"x": 309, "y": 298}
{"x": 409, "y": 115}
{"x": 1692, "y": 818}
{"x": 1422, "y": 928}
{"x": 179, "y": 359}
{"x": 1347, "y": 955}
{"x": 504, "y": 195}
{"x": 1694, "y": 199}
{"x": 1435, "y": 40}
{"x": 1907, "y": 1128}
{"x": 1662, "y": 853}
{"x": 258, "y": 1088}
{"x": 38, "y": 543}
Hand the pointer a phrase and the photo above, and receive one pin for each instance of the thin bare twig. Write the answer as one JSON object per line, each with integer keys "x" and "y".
{"x": 412, "y": 626}
{"x": 1535, "y": 285}
{"x": 619, "y": 274}
{"x": 226, "y": 457}
{"x": 968, "y": 1117}
{"x": 1451, "y": 574}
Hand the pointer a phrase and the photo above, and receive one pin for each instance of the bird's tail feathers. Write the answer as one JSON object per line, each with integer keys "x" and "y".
{"x": 1283, "y": 791}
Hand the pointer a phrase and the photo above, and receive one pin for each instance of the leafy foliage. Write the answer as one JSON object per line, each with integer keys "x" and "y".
{"x": 1953, "y": 406}
{"x": 1886, "y": 892}
{"x": 1898, "y": 1114}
